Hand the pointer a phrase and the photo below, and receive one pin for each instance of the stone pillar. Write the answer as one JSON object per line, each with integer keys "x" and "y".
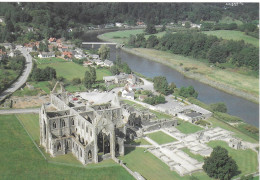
{"x": 92, "y": 46}
{"x": 95, "y": 152}
{"x": 112, "y": 143}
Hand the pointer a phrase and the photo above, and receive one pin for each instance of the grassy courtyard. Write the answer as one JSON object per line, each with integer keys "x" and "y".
{"x": 152, "y": 168}
{"x": 187, "y": 128}
{"x": 20, "y": 159}
{"x": 235, "y": 35}
{"x": 160, "y": 137}
{"x": 245, "y": 159}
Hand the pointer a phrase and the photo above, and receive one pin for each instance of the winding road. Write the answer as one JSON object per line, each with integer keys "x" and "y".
{"x": 23, "y": 78}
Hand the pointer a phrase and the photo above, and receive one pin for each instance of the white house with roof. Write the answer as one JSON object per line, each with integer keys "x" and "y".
{"x": 46, "y": 55}
{"x": 108, "y": 63}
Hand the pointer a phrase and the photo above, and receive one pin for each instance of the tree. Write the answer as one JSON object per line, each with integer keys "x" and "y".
{"x": 219, "y": 107}
{"x": 150, "y": 29}
{"x": 187, "y": 25}
{"x": 87, "y": 80}
{"x": 76, "y": 81}
{"x": 114, "y": 70}
{"x": 163, "y": 28}
{"x": 152, "y": 41}
{"x": 160, "y": 84}
{"x": 126, "y": 68}
{"x": 188, "y": 92}
{"x": 104, "y": 52}
{"x": 93, "y": 74}
{"x": 219, "y": 165}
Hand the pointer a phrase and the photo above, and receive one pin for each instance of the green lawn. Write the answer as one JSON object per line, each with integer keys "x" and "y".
{"x": 229, "y": 20}
{"x": 235, "y": 35}
{"x": 138, "y": 142}
{"x": 161, "y": 138}
{"x": 42, "y": 85}
{"x": 152, "y": 168}
{"x": 70, "y": 70}
{"x": 194, "y": 156}
{"x": 49, "y": 60}
{"x": 245, "y": 159}
{"x": 187, "y": 128}
{"x": 20, "y": 159}
{"x": 217, "y": 123}
{"x": 122, "y": 36}
{"x": 26, "y": 92}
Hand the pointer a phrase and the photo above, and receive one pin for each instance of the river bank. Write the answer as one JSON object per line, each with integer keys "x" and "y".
{"x": 193, "y": 73}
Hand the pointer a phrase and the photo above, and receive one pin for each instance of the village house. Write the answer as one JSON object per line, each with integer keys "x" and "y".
{"x": 119, "y": 24}
{"x": 2, "y": 19}
{"x": 108, "y": 63}
{"x": 52, "y": 39}
{"x": 30, "y": 29}
{"x": 87, "y": 63}
{"x": 140, "y": 23}
{"x": 195, "y": 25}
{"x": 46, "y": 55}
{"x": 67, "y": 54}
{"x": 142, "y": 97}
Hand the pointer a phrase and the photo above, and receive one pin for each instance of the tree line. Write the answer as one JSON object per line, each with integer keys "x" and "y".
{"x": 55, "y": 19}
{"x": 199, "y": 45}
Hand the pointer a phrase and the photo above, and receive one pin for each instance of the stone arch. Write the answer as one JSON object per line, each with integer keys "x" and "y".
{"x": 59, "y": 147}
{"x": 86, "y": 129}
{"x": 80, "y": 152}
{"x": 72, "y": 121}
{"x": 54, "y": 125}
{"x": 89, "y": 154}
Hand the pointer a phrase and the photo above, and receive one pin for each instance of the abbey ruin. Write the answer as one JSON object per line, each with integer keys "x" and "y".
{"x": 91, "y": 132}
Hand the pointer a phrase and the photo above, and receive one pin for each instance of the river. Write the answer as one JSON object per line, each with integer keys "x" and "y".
{"x": 246, "y": 110}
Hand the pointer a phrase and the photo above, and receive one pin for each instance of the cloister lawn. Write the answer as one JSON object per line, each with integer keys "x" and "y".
{"x": 20, "y": 159}
{"x": 187, "y": 128}
{"x": 160, "y": 137}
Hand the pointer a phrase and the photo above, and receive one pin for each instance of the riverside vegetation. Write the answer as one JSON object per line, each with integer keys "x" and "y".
{"x": 222, "y": 72}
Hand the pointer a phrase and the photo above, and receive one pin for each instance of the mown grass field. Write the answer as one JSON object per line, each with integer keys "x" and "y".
{"x": 187, "y": 128}
{"x": 245, "y": 159}
{"x": 235, "y": 35}
{"x": 161, "y": 138}
{"x": 49, "y": 60}
{"x": 152, "y": 168}
{"x": 20, "y": 159}
{"x": 122, "y": 36}
{"x": 70, "y": 70}
{"x": 229, "y": 20}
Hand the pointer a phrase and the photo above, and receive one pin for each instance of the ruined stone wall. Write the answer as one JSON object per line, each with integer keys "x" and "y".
{"x": 159, "y": 125}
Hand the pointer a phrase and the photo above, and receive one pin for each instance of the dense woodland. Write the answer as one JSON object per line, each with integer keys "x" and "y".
{"x": 54, "y": 19}
{"x": 199, "y": 45}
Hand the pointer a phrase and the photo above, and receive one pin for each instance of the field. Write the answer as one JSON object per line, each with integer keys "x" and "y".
{"x": 49, "y": 60}
{"x": 20, "y": 159}
{"x": 122, "y": 36}
{"x": 187, "y": 128}
{"x": 138, "y": 142}
{"x": 160, "y": 137}
{"x": 235, "y": 35}
{"x": 70, "y": 70}
{"x": 229, "y": 20}
{"x": 245, "y": 159}
{"x": 150, "y": 167}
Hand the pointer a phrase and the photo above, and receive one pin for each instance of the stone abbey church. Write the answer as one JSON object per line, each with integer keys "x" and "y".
{"x": 90, "y": 132}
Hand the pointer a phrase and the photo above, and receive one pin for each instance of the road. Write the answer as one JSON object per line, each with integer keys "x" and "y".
{"x": 20, "y": 111}
{"x": 23, "y": 78}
